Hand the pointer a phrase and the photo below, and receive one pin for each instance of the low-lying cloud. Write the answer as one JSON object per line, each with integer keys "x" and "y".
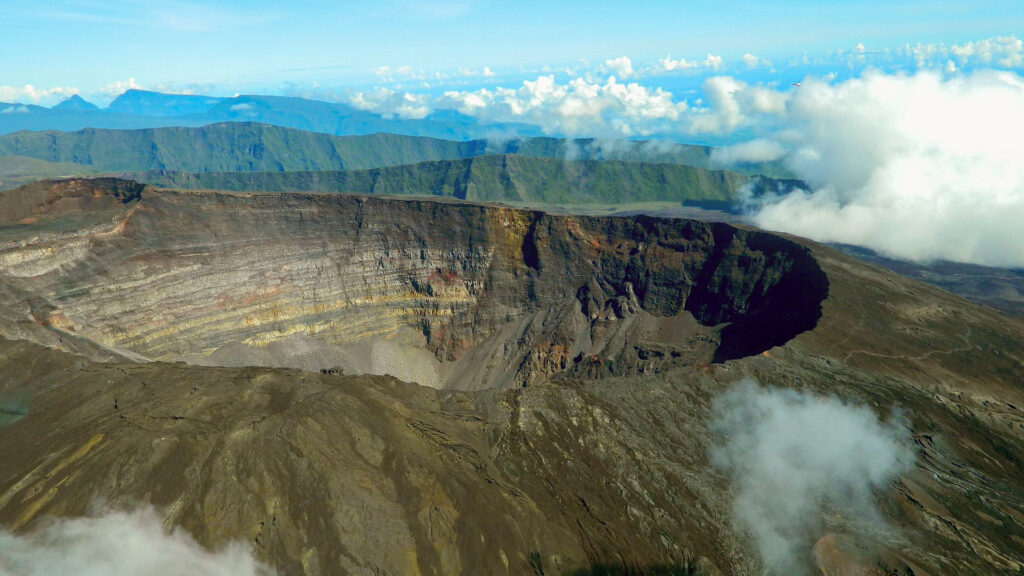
{"x": 789, "y": 454}
{"x": 621, "y": 67}
{"x": 390, "y": 103}
{"x": 607, "y": 108}
{"x": 919, "y": 167}
{"x": 120, "y": 544}
{"x": 31, "y": 93}
{"x": 759, "y": 150}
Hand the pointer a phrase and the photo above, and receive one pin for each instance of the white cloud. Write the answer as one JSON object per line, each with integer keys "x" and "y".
{"x": 917, "y": 167}
{"x": 713, "y": 62}
{"x": 388, "y": 74}
{"x": 758, "y": 150}
{"x": 15, "y": 109}
{"x": 753, "y": 61}
{"x": 1004, "y": 51}
{"x": 202, "y": 17}
{"x": 999, "y": 52}
{"x": 242, "y": 107}
{"x": 578, "y": 107}
{"x": 621, "y": 67}
{"x": 667, "y": 64}
{"x": 732, "y": 102}
{"x": 391, "y": 103}
{"x": 120, "y": 87}
{"x": 30, "y": 93}
{"x": 119, "y": 544}
{"x": 789, "y": 454}
{"x": 924, "y": 55}
{"x": 726, "y": 113}
{"x": 487, "y": 72}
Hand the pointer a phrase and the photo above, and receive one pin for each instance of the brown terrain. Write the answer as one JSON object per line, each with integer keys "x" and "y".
{"x": 247, "y": 364}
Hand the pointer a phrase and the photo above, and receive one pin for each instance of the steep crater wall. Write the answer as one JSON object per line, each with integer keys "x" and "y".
{"x": 447, "y": 294}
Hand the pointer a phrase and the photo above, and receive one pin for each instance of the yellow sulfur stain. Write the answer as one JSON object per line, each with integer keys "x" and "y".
{"x": 82, "y": 451}
{"x": 38, "y": 504}
{"x": 412, "y": 563}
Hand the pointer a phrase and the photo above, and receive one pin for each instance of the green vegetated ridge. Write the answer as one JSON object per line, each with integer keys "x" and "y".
{"x": 19, "y": 170}
{"x": 250, "y": 147}
{"x": 228, "y": 147}
{"x": 504, "y": 177}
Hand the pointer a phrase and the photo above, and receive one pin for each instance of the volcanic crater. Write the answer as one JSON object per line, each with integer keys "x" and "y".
{"x": 447, "y": 294}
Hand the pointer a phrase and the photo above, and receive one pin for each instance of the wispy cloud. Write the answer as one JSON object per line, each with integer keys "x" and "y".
{"x": 196, "y": 17}
{"x": 120, "y": 544}
{"x": 119, "y": 87}
{"x": 790, "y": 455}
{"x": 754, "y": 62}
{"x": 181, "y": 16}
{"x": 30, "y": 93}
{"x": 433, "y": 9}
{"x": 758, "y": 150}
{"x": 621, "y": 67}
{"x": 714, "y": 62}
{"x": 391, "y": 103}
{"x": 667, "y": 64}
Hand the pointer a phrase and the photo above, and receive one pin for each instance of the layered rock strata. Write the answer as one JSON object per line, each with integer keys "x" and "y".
{"x": 497, "y": 296}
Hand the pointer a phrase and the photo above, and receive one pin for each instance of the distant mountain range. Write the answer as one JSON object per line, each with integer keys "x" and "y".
{"x": 76, "y": 103}
{"x": 251, "y": 147}
{"x": 494, "y": 178}
{"x": 137, "y": 109}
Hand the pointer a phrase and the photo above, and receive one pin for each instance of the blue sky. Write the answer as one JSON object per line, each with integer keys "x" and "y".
{"x": 221, "y": 47}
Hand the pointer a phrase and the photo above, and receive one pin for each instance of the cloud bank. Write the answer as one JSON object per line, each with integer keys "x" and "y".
{"x": 606, "y": 108}
{"x": 759, "y": 150}
{"x": 119, "y": 544}
{"x": 789, "y": 453}
{"x": 579, "y": 107}
{"x": 390, "y": 103}
{"x": 919, "y": 167}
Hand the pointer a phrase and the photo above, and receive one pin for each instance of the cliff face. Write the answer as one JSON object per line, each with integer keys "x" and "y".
{"x": 497, "y": 296}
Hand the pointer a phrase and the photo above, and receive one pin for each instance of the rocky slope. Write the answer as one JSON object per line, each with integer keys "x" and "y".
{"x": 598, "y": 466}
